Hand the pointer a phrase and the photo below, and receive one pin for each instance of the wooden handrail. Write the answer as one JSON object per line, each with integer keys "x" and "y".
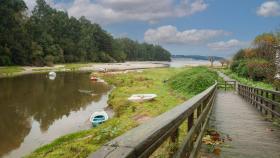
{"x": 229, "y": 84}
{"x": 264, "y": 100}
{"x": 143, "y": 140}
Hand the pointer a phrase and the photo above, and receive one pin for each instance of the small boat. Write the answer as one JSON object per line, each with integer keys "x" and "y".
{"x": 98, "y": 118}
{"x": 94, "y": 78}
{"x": 141, "y": 97}
{"x": 52, "y": 73}
{"x": 102, "y": 70}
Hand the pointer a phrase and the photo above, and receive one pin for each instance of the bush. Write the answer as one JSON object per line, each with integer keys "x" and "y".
{"x": 49, "y": 59}
{"x": 193, "y": 81}
{"x": 258, "y": 69}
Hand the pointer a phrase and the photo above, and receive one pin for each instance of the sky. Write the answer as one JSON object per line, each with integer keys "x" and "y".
{"x": 184, "y": 27}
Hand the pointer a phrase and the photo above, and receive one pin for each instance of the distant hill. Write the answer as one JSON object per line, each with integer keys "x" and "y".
{"x": 197, "y": 57}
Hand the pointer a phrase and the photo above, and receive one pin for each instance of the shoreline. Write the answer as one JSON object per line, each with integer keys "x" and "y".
{"x": 86, "y": 67}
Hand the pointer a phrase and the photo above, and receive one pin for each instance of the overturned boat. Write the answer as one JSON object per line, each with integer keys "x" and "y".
{"x": 141, "y": 97}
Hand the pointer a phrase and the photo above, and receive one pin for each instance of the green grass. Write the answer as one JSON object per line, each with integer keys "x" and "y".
{"x": 82, "y": 143}
{"x": 247, "y": 81}
{"x": 11, "y": 70}
{"x": 76, "y": 66}
{"x": 193, "y": 81}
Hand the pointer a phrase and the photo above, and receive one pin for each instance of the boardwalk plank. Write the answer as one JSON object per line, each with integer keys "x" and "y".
{"x": 252, "y": 136}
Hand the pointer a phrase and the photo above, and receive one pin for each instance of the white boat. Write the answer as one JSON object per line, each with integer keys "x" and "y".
{"x": 102, "y": 69}
{"x": 52, "y": 73}
{"x": 98, "y": 117}
{"x": 141, "y": 97}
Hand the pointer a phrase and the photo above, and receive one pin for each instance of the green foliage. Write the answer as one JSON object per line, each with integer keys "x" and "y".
{"x": 258, "y": 63}
{"x": 247, "y": 81}
{"x": 50, "y": 36}
{"x": 193, "y": 81}
{"x": 14, "y": 40}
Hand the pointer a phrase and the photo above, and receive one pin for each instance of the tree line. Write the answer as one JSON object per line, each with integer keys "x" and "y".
{"x": 258, "y": 62}
{"x": 48, "y": 36}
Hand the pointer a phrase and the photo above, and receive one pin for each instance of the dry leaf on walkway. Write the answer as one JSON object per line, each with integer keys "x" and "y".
{"x": 217, "y": 151}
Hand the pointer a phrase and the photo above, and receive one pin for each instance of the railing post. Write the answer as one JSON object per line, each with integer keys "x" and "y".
{"x": 261, "y": 109}
{"x": 266, "y": 103}
{"x": 190, "y": 121}
{"x": 273, "y": 106}
{"x": 174, "y": 140}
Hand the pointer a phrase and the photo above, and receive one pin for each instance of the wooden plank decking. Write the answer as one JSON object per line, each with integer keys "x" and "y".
{"x": 252, "y": 136}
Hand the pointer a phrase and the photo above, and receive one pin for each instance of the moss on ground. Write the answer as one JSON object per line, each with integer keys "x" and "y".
{"x": 158, "y": 81}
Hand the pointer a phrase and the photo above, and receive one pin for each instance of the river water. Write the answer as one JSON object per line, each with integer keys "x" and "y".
{"x": 35, "y": 110}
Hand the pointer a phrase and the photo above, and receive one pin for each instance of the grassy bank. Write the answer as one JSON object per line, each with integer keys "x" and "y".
{"x": 163, "y": 82}
{"x": 246, "y": 81}
{"x": 11, "y": 70}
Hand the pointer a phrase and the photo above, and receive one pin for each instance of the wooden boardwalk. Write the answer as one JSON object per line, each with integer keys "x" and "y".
{"x": 252, "y": 136}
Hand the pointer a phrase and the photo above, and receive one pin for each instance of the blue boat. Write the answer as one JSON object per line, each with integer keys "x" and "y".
{"x": 98, "y": 118}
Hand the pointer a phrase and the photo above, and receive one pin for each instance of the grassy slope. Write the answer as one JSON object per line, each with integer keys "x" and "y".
{"x": 150, "y": 81}
{"x": 247, "y": 81}
{"x": 7, "y": 71}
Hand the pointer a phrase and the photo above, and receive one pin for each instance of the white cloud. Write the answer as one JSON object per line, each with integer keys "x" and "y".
{"x": 112, "y": 11}
{"x": 170, "y": 35}
{"x": 32, "y": 3}
{"x": 227, "y": 45}
{"x": 269, "y": 8}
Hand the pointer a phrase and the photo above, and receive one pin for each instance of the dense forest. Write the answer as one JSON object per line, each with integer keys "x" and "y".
{"x": 258, "y": 62}
{"x": 48, "y": 36}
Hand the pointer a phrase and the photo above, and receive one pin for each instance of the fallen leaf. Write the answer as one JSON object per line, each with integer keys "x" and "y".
{"x": 217, "y": 151}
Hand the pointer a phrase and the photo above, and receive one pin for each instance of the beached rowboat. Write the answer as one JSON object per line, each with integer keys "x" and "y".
{"x": 98, "y": 117}
{"x": 141, "y": 97}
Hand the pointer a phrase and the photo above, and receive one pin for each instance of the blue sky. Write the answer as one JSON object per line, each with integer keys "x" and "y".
{"x": 202, "y": 27}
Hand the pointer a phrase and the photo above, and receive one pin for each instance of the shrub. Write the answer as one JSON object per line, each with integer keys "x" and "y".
{"x": 258, "y": 69}
{"x": 193, "y": 81}
{"x": 49, "y": 59}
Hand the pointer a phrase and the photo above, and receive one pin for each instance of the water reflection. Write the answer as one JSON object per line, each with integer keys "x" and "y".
{"x": 34, "y": 99}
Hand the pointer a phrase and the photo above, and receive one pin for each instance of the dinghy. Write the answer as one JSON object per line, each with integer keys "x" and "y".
{"x": 98, "y": 117}
{"x": 52, "y": 73}
{"x": 93, "y": 78}
{"x": 96, "y": 79}
{"x": 141, "y": 97}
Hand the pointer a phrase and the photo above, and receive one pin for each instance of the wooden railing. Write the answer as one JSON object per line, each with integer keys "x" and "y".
{"x": 145, "y": 139}
{"x": 227, "y": 85}
{"x": 267, "y": 101}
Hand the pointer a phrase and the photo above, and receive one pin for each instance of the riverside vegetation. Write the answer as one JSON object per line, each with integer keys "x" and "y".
{"x": 173, "y": 86}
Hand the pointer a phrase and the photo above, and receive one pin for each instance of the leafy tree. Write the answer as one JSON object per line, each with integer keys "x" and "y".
{"x": 14, "y": 41}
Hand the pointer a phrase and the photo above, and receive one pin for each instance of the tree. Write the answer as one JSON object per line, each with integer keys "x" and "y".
{"x": 223, "y": 61}
{"x": 211, "y": 59}
{"x": 14, "y": 40}
{"x": 264, "y": 44}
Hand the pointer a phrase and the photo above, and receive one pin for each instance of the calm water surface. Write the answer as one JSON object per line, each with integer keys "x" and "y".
{"x": 35, "y": 110}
